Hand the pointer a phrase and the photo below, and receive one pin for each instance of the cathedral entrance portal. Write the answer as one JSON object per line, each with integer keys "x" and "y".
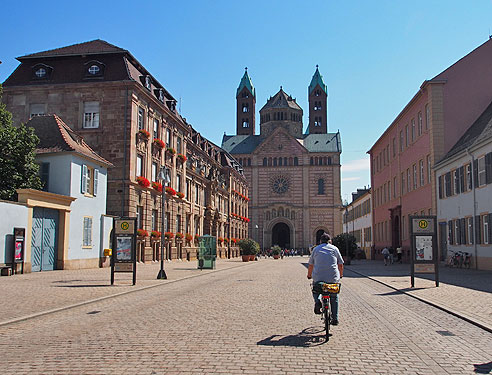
{"x": 281, "y": 235}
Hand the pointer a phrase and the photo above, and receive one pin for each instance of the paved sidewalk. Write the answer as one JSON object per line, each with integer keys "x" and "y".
{"x": 463, "y": 292}
{"x": 36, "y": 293}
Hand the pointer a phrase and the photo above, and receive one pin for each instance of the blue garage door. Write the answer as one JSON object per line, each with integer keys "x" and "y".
{"x": 44, "y": 239}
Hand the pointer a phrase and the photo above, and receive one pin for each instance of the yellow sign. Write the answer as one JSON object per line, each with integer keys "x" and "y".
{"x": 107, "y": 252}
{"x": 423, "y": 224}
{"x": 123, "y": 226}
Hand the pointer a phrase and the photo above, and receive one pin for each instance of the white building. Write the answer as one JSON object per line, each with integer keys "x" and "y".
{"x": 464, "y": 190}
{"x": 357, "y": 219}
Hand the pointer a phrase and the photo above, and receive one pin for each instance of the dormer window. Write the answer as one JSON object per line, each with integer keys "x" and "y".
{"x": 148, "y": 82}
{"x": 94, "y": 70}
{"x": 161, "y": 95}
{"x": 40, "y": 73}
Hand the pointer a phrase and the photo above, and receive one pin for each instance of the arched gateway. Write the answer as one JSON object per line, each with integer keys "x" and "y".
{"x": 281, "y": 235}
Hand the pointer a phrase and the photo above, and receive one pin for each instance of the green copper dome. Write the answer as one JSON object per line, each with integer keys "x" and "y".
{"x": 246, "y": 82}
{"x": 317, "y": 80}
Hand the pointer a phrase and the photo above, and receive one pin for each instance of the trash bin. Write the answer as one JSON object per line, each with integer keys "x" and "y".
{"x": 207, "y": 253}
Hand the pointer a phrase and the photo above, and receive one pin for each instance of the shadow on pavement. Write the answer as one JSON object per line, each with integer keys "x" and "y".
{"x": 307, "y": 338}
{"x": 85, "y": 286}
{"x": 484, "y": 368}
{"x": 399, "y": 291}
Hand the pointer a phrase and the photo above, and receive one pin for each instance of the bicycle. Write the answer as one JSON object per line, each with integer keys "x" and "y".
{"x": 325, "y": 290}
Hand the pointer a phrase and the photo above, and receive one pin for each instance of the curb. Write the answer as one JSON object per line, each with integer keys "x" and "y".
{"x": 87, "y": 302}
{"x": 451, "y": 312}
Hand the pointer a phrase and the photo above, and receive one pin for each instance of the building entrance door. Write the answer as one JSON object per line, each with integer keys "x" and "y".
{"x": 281, "y": 235}
{"x": 43, "y": 243}
{"x": 318, "y": 235}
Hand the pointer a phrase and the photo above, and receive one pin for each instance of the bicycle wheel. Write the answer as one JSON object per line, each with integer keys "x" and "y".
{"x": 326, "y": 317}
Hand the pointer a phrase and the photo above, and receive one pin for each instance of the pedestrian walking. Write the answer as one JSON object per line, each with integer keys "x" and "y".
{"x": 391, "y": 256}
{"x": 386, "y": 254}
{"x": 398, "y": 254}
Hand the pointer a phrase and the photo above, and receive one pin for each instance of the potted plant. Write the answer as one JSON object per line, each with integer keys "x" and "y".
{"x": 144, "y": 133}
{"x": 180, "y": 195}
{"x": 159, "y": 143}
{"x": 155, "y": 234}
{"x": 220, "y": 240}
{"x": 157, "y": 186}
{"x": 189, "y": 238}
{"x": 276, "y": 251}
{"x": 142, "y": 233}
{"x": 182, "y": 158}
{"x": 179, "y": 236}
{"x": 142, "y": 181}
{"x": 171, "y": 151}
{"x": 249, "y": 248}
{"x": 168, "y": 236}
{"x": 170, "y": 191}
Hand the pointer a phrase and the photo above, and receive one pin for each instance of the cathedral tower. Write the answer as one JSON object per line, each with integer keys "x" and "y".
{"x": 245, "y": 109}
{"x": 318, "y": 100}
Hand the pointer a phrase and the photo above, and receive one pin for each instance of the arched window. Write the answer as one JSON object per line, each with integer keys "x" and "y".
{"x": 311, "y": 161}
{"x": 280, "y": 212}
{"x": 245, "y": 108}
{"x": 245, "y": 124}
{"x": 287, "y": 213}
{"x": 267, "y": 215}
{"x": 280, "y": 162}
{"x": 296, "y": 161}
{"x": 274, "y": 213}
{"x": 329, "y": 160}
{"x": 325, "y": 160}
{"x": 321, "y": 186}
{"x": 290, "y": 161}
{"x": 316, "y": 160}
{"x": 249, "y": 162}
{"x": 264, "y": 162}
{"x": 269, "y": 162}
{"x": 285, "y": 161}
{"x": 292, "y": 215}
{"x": 274, "y": 162}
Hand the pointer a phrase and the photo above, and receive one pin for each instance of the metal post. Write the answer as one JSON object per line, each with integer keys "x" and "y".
{"x": 163, "y": 175}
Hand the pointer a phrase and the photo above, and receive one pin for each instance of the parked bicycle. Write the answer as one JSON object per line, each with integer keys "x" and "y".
{"x": 325, "y": 291}
{"x": 459, "y": 259}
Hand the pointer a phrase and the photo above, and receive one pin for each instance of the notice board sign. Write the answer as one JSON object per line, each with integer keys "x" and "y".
{"x": 123, "y": 257}
{"x": 423, "y": 236}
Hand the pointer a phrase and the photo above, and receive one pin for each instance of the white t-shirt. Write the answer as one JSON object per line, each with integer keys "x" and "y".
{"x": 326, "y": 258}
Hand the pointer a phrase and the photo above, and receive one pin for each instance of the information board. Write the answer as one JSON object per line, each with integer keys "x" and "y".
{"x": 423, "y": 236}
{"x": 123, "y": 256}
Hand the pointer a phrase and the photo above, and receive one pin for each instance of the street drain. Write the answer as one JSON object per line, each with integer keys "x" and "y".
{"x": 446, "y": 333}
{"x": 93, "y": 312}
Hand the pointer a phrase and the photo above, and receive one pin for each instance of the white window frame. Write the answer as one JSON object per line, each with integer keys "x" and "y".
{"x": 469, "y": 177}
{"x": 91, "y": 115}
{"x": 87, "y": 232}
{"x": 469, "y": 224}
{"x": 156, "y": 128}
{"x": 141, "y": 118}
{"x": 154, "y": 171}
{"x": 481, "y": 171}
{"x": 89, "y": 181}
{"x": 139, "y": 166}
{"x": 485, "y": 229}
{"x": 422, "y": 177}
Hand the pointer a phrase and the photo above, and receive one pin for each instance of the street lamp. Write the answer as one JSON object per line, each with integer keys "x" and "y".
{"x": 164, "y": 177}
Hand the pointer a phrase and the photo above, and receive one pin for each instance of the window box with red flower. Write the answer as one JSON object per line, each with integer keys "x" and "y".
{"x": 188, "y": 238}
{"x": 171, "y": 151}
{"x": 159, "y": 143}
{"x": 197, "y": 238}
{"x": 168, "y": 235}
{"x": 170, "y": 191}
{"x": 180, "y": 195}
{"x": 142, "y": 181}
{"x": 220, "y": 240}
{"x": 233, "y": 241}
{"x": 182, "y": 158}
{"x": 179, "y": 236}
{"x": 157, "y": 186}
{"x": 155, "y": 234}
{"x": 144, "y": 134}
{"x": 142, "y": 233}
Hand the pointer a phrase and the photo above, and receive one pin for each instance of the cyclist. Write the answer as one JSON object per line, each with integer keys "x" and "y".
{"x": 326, "y": 265}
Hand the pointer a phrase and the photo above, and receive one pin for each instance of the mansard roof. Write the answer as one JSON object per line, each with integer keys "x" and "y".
{"x": 281, "y": 100}
{"x": 93, "y": 47}
{"x": 246, "y": 82}
{"x": 56, "y": 136}
{"x": 317, "y": 80}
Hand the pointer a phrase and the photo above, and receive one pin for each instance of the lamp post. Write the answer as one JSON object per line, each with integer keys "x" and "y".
{"x": 164, "y": 177}
{"x": 347, "y": 232}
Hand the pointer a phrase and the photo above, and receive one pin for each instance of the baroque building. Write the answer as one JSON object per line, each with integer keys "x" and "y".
{"x": 293, "y": 176}
{"x": 126, "y": 116}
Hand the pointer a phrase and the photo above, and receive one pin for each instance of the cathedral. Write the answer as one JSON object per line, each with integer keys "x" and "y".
{"x": 293, "y": 175}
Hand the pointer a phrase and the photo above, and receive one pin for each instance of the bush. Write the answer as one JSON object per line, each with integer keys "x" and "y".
{"x": 346, "y": 241}
{"x": 276, "y": 250}
{"x": 249, "y": 246}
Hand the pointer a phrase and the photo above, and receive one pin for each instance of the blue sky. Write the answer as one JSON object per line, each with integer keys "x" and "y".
{"x": 373, "y": 55}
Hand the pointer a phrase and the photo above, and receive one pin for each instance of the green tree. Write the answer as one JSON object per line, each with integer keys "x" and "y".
{"x": 18, "y": 169}
{"x": 346, "y": 242}
{"x": 248, "y": 246}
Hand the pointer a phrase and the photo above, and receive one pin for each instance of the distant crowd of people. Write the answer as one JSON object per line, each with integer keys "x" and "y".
{"x": 389, "y": 255}
{"x": 283, "y": 253}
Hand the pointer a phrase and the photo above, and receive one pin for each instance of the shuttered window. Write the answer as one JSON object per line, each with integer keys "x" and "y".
{"x": 87, "y": 232}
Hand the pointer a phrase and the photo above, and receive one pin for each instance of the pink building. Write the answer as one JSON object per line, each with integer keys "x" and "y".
{"x": 402, "y": 159}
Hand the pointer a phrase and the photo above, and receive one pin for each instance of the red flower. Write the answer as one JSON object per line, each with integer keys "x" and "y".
{"x": 182, "y": 157}
{"x": 159, "y": 143}
{"x": 171, "y": 150}
{"x": 179, "y": 235}
{"x": 142, "y": 233}
{"x": 220, "y": 239}
{"x": 170, "y": 191}
{"x": 144, "y": 133}
{"x": 180, "y": 195}
{"x": 157, "y": 186}
{"x": 188, "y": 237}
{"x": 155, "y": 233}
{"x": 142, "y": 181}
{"x": 169, "y": 235}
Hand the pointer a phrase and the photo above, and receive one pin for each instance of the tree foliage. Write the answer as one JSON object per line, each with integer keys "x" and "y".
{"x": 18, "y": 169}
{"x": 344, "y": 242}
{"x": 248, "y": 246}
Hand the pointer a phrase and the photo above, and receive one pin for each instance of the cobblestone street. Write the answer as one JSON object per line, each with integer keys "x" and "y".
{"x": 241, "y": 318}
